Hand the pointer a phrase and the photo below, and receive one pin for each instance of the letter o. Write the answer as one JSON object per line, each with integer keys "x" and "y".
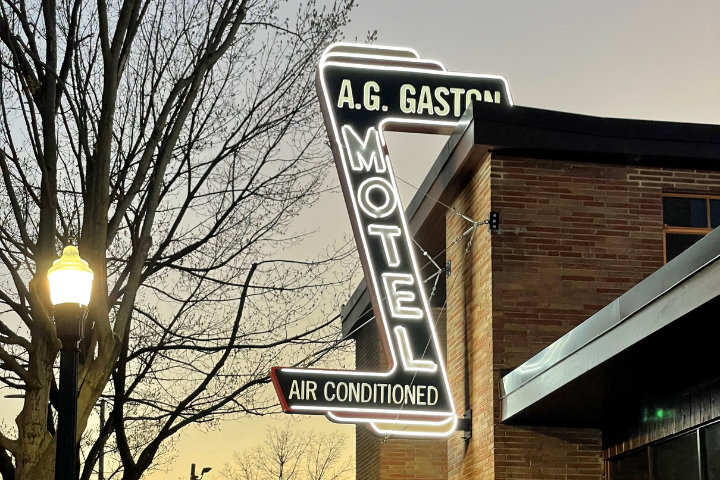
{"x": 337, "y": 391}
{"x": 367, "y": 206}
{"x": 472, "y": 93}
{"x": 402, "y": 394}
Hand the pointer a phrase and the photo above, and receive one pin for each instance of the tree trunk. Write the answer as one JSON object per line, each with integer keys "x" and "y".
{"x": 34, "y": 439}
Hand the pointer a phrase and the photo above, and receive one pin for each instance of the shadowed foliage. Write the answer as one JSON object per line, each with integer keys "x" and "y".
{"x": 289, "y": 454}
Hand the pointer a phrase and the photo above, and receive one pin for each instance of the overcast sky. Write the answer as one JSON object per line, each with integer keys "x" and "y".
{"x": 651, "y": 59}
{"x": 640, "y": 59}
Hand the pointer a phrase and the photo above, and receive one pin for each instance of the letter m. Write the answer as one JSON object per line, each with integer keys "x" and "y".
{"x": 364, "y": 154}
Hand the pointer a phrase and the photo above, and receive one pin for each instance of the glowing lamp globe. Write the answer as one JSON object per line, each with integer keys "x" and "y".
{"x": 70, "y": 279}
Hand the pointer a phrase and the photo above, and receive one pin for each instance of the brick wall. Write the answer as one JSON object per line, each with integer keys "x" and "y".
{"x": 395, "y": 458}
{"x": 369, "y": 357}
{"x": 574, "y": 236}
{"x": 469, "y": 296}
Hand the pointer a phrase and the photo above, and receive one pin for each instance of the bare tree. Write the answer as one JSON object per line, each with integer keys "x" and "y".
{"x": 175, "y": 141}
{"x": 287, "y": 454}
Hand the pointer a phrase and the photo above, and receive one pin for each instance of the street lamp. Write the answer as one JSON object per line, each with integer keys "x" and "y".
{"x": 70, "y": 281}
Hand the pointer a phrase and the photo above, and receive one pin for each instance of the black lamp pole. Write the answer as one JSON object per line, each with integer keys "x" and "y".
{"x": 193, "y": 475}
{"x": 69, "y": 319}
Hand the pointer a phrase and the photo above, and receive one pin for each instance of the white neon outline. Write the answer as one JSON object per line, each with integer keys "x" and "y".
{"x": 391, "y": 293}
{"x": 437, "y": 123}
{"x": 409, "y": 363}
{"x": 384, "y": 57}
{"x": 335, "y": 418}
{"x": 390, "y": 232}
{"x": 410, "y": 413}
{"x": 335, "y": 51}
{"x": 331, "y": 49}
{"x": 419, "y": 121}
{"x": 406, "y": 433}
{"x": 380, "y": 160}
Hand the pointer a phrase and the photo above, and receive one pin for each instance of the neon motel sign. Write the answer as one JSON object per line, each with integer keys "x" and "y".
{"x": 364, "y": 91}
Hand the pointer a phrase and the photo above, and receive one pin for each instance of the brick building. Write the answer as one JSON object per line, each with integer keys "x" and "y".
{"x": 579, "y": 335}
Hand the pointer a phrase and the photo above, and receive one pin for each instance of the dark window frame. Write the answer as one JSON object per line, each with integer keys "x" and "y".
{"x": 698, "y": 432}
{"x": 667, "y": 229}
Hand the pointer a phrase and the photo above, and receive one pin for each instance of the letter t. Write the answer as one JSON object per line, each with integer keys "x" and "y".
{"x": 387, "y": 234}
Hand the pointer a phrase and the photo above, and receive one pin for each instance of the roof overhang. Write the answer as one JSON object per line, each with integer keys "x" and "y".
{"x": 536, "y": 133}
{"x": 655, "y": 340}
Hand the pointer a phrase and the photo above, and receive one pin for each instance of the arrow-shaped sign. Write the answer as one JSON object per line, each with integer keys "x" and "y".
{"x": 364, "y": 91}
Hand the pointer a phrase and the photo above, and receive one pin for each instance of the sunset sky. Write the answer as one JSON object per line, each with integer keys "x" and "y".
{"x": 639, "y": 59}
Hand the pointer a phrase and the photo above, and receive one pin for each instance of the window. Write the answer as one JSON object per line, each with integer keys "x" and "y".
{"x": 712, "y": 451}
{"x": 687, "y": 219}
{"x": 676, "y": 459}
{"x": 632, "y": 467}
{"x": 681, "y": 457}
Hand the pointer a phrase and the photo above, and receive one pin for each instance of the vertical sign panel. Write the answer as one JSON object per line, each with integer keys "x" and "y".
{"x": 365, "y": 90}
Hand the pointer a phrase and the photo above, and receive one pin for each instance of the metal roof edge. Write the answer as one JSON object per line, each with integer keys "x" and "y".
{"x": 662, "y": 281}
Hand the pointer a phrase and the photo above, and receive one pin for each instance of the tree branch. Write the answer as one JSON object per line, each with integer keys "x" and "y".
{"x": 8, "y": 444}
{"x": 9, "y": 363}
{"x": 7, "y": 469}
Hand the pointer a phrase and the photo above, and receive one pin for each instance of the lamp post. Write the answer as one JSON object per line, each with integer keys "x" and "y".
{"x": 193, "y": 476}
{"x": 70, "y": 281}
